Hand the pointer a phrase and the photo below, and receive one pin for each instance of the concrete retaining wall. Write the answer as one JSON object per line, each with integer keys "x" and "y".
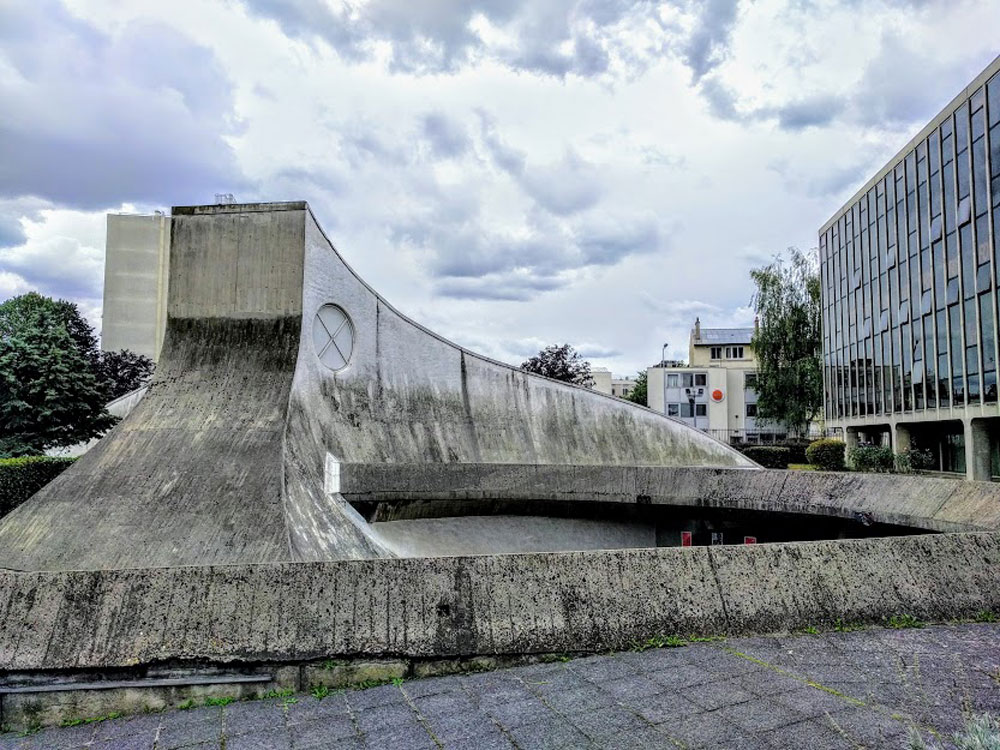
{"x": 482, "y": 605}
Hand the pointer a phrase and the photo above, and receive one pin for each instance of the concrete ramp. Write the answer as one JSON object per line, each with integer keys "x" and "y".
{"x": 279, "y": 365}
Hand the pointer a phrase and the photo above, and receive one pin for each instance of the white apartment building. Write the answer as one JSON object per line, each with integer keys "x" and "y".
{"x": 716, "y": 390}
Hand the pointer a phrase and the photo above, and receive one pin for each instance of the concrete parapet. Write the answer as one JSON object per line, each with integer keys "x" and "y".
{"x": 466, "y": 606}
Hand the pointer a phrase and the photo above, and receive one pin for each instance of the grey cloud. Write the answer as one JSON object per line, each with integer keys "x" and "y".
{"x": 510, "y": 286}
{"x": 11, "y": 213}
{"x": 566, "y": 187}
{"x": 508, "y": 159}
{"x": 707, "y": 45}
{"x": 597, "y": 351}
{"x": 894, "y": 89}
{"x": 810, "y": 112}
{"x": 447, "y": 138}
{"x": 721, "y": 99}
{"x": 140, "y": 116}
{"x": 610, "y": 241}
{"x": 438, "y": 37}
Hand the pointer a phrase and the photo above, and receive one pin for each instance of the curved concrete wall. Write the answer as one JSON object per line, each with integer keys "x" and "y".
{"x": 912, "y": 501}
{"x": 226, "y": 458}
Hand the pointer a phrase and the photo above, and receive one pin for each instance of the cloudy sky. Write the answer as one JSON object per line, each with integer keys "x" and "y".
{"x": 510, "y": 173}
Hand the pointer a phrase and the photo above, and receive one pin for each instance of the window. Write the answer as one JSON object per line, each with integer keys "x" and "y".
{"x": 686, "y": 411}
{"x": 716, "y": 352}
{"x": 686, "y": 380}
{"x": 734, "y": 352}
{"x": 700, "y": 410}
{"x": 673, "y": 410}
{"x": 700, "y": 378}
{"x": 672, "y": 380}
{"x": 751, "y": 410}
{"x": 750, "y": 381}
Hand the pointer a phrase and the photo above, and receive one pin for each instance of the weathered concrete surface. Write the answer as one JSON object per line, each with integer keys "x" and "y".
{"x": 225, "y": 459}
{"x": 912, "y": 501}
{"x": 503, "y": 604}
{"x": 501, "y": 534}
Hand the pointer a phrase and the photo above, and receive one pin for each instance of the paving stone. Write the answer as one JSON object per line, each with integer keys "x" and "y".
{"x": 807, "y": 734}
{"x": 600, "y": 668}
{"x": 664, "y": 707}
{"x": 380, "y": 718}
{"x": 252, "y": 717}
{"x": 376, "y": 696}
{"x": 127, "y": 727}
{"x": 410, "y": 736}
{"x": 631, "y": 688}
{"x": 330, "y": 728}
{"x": 681, "y": 677}
{"x": 313, "y": 709}
{"x": 703, "y": 730}
{"x": 267, "y": 739}
{"x": 603, "y": 724}
{"x": 492, "y": 740}
{"x": 57, "y": 739}
{"x": 521, "y": 712}
{"x": 549, "y": 735}
{"x": 444, "y": 703}
{"x": 580, "y": 699}
{"x": 759, "y": 716}
{"x": 459, "y": 726}
{"x": 432, "y": 686}
{"x": 145, "y": 741}
{"x": 712, "y": 695}
{"x": 812, "y": 701}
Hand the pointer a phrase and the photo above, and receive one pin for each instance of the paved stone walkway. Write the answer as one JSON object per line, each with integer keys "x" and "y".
{"x": 862, "y": 689}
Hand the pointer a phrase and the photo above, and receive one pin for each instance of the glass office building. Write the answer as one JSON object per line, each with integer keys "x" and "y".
{"x": 909, "y": 276}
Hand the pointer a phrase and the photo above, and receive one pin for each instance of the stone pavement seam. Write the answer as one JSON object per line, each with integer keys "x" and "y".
{"x": 907, "y": 721}
{"x": 422, "y": 719}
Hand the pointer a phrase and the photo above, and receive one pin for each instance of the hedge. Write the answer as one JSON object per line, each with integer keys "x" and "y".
{"x": 20, "y": 478}
{"x": 769, "y": 456}
{"x": 877, "y": 458}
{"x": 826, "y": 454}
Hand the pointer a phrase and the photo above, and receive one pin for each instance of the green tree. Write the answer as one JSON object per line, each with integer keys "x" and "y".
{"x": 787, "y": 342}
{"x": 560, "y": 363}
{"x": 51, "y": 394}
{"x": 123, "y": 372}
{"x": 638, "y": 393}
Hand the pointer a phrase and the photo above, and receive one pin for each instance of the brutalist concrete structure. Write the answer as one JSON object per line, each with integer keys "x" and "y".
{"x": 214, "y": 537}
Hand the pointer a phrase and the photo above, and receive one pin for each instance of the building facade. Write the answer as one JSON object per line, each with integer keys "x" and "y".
{"x": 605, "y": 382}
{"x": 137, "y": 250}
{"x": 716, "y": 390}
{"x": 909, "y": 276}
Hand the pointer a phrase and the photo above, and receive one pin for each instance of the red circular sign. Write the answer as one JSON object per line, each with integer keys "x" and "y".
{"x": 718, "y": 395}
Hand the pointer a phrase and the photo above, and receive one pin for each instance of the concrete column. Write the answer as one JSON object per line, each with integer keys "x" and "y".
{"x": 977, "y": 450}
{"x": 850, "y": 442}
{"x": 900, "y": 438}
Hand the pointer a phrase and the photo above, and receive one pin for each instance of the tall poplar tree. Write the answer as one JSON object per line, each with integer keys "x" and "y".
{"x": 788, "y": 342}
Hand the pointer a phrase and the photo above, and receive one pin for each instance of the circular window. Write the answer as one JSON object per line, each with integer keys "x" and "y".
{"x": 333, "y": 337}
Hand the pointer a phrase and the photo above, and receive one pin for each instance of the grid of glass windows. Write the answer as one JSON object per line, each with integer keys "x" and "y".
{"x": 909, "y": 275}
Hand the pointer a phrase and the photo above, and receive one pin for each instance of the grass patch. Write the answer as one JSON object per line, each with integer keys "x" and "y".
{"x": 843, "y": 626}
{"x": 980, "y": 732}
{"x": 810, "y": 630}
{"x": 223, "y": 701}
{"x": 985, "y": 616}
{"x": 801, "y": 467}
{"x": 89, "y": 720}
{"x": 552, "y": 658}
{"x": 904, "y": 621}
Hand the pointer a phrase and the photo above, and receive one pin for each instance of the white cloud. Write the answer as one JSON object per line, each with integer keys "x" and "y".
{"x": 510, "y": 174}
